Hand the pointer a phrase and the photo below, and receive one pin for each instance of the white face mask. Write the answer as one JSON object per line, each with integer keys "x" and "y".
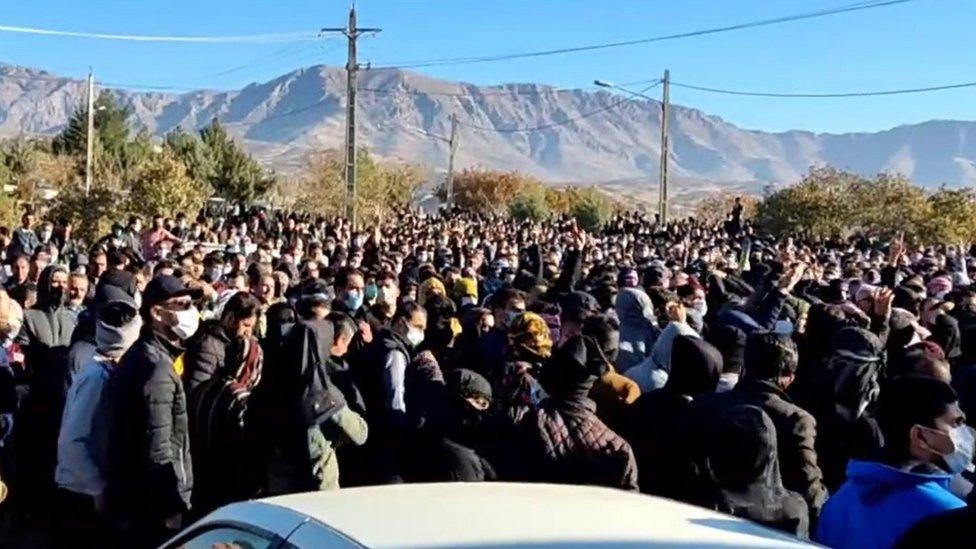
{"x": 187, "y": 323}
{"x": 415, "y": 336}
{"x": 468, "y": 300}
{"x": 962, "y": 457}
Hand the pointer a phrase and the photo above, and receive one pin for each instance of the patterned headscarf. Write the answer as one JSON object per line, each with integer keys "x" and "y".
{"x": 528, "y": 333}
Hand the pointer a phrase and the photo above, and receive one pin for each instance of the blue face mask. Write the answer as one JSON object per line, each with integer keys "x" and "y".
{"x": 371, "y": 292}
{"x": 354, "y": 300}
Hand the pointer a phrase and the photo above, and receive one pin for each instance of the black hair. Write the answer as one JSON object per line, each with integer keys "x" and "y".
{"x": 241, "y": 305}
{"x": 407, "y": 310}
{"x": 769, "y": 356}
{"x": 504, "y": 295}
{"x": 342, "y": 277}
{"x": 343, "y": 325}
{"x": 908, "y": 401}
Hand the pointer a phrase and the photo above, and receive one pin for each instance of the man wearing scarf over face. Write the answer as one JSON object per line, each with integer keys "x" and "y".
{"x": 83, "y": 443}
{"x": 45, "y": 338}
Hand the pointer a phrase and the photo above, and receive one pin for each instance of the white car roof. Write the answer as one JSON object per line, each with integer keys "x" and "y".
{"x": 496, "y": 514}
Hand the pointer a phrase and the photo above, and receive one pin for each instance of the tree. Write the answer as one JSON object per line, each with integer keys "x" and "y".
{"x": 111, "y": 128}
{"x": 591, "y": 208}
{"x": 887, "y": 205}
{"x": 951, "y": 217}
{"x": 381, "y": 189}
{"x": 714, "y": 207}
{"x": 191, "y": 150}
{"x": 236, "y": 175}
{"x": 92, "y": 215}
{"x": 821, "y": 205}
{"x": 488, "y": 191}
{"x": 530, "y": 204}
{"x": 162, "y": 186}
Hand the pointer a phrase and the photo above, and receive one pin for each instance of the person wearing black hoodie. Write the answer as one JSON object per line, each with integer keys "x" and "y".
{"x": 447, "y": 448}
{"x": 45, "y": 338}
{"x": 564, "y": 440}
{"x": 743, "y": 460}
{"x": 662, "y": 427}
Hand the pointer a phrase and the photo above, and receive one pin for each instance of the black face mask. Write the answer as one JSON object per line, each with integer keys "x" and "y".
{"x": 57, "y": 296}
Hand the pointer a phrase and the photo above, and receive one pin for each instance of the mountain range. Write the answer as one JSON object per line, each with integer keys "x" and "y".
{"x": 586, "y": 136}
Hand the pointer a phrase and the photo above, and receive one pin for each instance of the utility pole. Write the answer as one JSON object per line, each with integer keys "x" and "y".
{"x": 91, "y": 131}
{"x": 352, "y": 33}
{"x": 665, "y": 146}
{"x": 453, "y": 145}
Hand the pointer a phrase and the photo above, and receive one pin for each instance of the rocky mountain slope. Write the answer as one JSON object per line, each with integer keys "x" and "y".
{"x": 610, "y": 139}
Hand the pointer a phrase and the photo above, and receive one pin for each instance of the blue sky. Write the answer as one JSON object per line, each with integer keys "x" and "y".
{"x": 921, "y": 43}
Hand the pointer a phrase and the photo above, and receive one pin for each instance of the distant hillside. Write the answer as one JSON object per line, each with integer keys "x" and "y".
{"x": 283, "y": 118}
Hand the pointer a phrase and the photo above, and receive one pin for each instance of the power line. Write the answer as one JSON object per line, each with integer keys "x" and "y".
{"x": 562, "y": 122}
{"x": 296, "y": 36}
{"x": 715, "y": 30}
{"x": 827, "y": 95}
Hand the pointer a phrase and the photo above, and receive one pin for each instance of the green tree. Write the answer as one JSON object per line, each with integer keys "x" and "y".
{"x": 111, "y": 128}
{"x": 236, "y": 175}
{"x": 591, "y": 208}
{"x": 162, "y": 186}
{"x": 91, "y": 215}
{"x": 951, "y": 217}
{"x": 381, "y": 189}
{"x": 530, "y": 204}
{"x": 190, "y": 149}
{"x": 821, "y": 205}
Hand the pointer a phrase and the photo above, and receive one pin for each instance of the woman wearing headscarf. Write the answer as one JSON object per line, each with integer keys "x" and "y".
{"x": 743, "y": 458}
{"x": 638, "y": 327}
{"x": 662, "y": 424}
{"x": 529, "y": 348}
{"x": 447, "y": 448}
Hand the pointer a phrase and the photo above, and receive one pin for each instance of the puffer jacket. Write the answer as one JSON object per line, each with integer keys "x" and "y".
{"x": 206, "y": 353}
{"x": 152, "y": 472}
{"x": 577, "y": 448}
{"x": 564, "y": 440}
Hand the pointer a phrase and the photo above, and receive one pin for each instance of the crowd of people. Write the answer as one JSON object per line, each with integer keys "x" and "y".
{"x": 818, "y": 387}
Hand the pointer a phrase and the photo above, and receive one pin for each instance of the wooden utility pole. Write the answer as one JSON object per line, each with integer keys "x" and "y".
{"x": 90, "y": 133}
{"x": 665, "y": 146}
{"x": 352, "y": 33}
{"x": 453, "y": 144}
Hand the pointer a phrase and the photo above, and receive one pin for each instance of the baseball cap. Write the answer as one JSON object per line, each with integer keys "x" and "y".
{"x": 165, "y": 287}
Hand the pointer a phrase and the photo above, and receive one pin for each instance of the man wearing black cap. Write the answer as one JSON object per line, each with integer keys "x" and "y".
{"x": 152, "y": 471}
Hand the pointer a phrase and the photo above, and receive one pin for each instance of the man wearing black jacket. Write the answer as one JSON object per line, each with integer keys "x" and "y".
{"x": 151, "y": 466}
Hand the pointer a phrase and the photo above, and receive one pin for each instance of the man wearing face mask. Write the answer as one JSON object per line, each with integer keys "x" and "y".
{"x": 151, "y": 465}
{"x": 83, "y": 443}
{"x": 387, "y": 297}
{"x": 350, "y": 289}
{"x": 926, "y": 441}
{"x": 383, "y": 374}
{"x": 44, "y": 338}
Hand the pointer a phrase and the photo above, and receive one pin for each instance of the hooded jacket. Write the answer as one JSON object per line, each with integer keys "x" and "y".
{"x": 663, "y": 426}
{"x": 879, "y": 503}
{"x": 744, "y": 461}
{"x": 447, "y": 448}
{"x": 796, "y": 434}
{"x": 840, "y": 394}
{"x": 638, "y": 327}
{"x": 45, "y": 338}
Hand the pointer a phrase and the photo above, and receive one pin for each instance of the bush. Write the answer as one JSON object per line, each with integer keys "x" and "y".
{"x": 591, "y": 208}
{"x": 530, "y": 204}
{"x": 489, "y": 191}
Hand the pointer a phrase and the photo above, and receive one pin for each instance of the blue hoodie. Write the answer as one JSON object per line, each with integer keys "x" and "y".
{"x": 879, "y": 503}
